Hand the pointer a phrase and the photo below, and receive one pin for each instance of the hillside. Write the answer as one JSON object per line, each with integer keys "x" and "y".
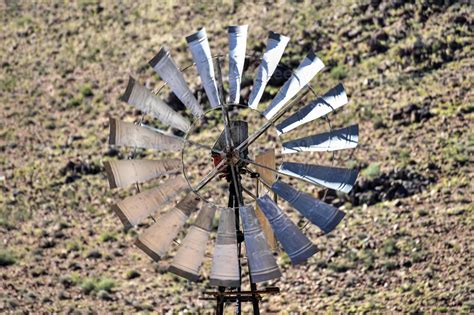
{"x": 406, "y": 243}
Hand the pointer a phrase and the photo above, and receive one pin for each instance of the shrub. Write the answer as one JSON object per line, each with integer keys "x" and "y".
{"x": 339, "y": 72}
{"x": 95, "y": 285}
{"x": 371, "y": 171}
{"x": 6, "y": 258}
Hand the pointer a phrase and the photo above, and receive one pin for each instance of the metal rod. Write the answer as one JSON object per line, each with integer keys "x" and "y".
{"x": 209, "y": 176}
{"x": 249, "y": 192}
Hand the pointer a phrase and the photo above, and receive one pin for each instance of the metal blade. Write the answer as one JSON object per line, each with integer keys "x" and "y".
{"x": 167, "y": 69}
{"x": 122, "y": 173}
{"x": 333, "y": 99}
{"x": 250, "y": 139}
{"x": 132, "y": 210}
{"x": 339, "y": 139}
{"x": 298, "y": 247}
{"x": 157, "y": 239}
{"x": 321, "y": 214}
{"x": 199, "y": 46}
{"x": 147, "y": 102}
{"x": 237, "y": 46}
{"x": 276, "y": 45}
{"x": 308, "y": 68}
{"x": 130, "y": 135}
{"x": 225, "y": 263}
{"x": 189, "y": 257}
{"x": 341, "y": 179}
{"x": 262, "y": 264}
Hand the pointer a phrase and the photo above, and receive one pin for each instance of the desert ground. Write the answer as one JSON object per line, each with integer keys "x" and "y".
{"x": 406, "y": 243}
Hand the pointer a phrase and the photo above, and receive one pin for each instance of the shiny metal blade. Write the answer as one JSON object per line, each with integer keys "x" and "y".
{"x": 169, "y": 72}
{"x": 189, "y": 257}
{"x": 262, "y": 264}
{"x": 134, "y": 209}
{"x": 157, "y": 239}
{"x": 298, "y": 247}
{"x": 147, "y": 102}
{"x": 225, "y": 262}
{"x": 321, "y": 214}
{"x": 333, "y": 99}
{"x": 308, "y": 68}
{"x": 341, "y": 179}
{"x": 131, "y": 135}
{"x": 276, "y": 45}
{"x": 122, "y": 173}
{"x": 199, "y": 46}
{"x": 338, "y": 139}
{"x": 237, "y": 47}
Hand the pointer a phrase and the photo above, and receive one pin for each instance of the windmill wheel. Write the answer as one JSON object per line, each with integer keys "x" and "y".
{"x": 241, "y": 155}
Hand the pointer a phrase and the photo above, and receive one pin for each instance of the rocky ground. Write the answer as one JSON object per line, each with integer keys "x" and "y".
{"x": 406, "y": 242}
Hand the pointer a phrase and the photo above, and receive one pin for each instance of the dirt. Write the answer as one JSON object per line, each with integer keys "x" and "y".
{"x": 405, "y": 244}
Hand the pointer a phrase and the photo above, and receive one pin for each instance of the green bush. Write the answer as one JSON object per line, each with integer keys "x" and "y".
{"x": 371, "y": 171}
{"x": 107, "y": 237}
{"x": 95, "y": 285}
{"x": 390, "y": 248}
{"x": 339, "y": 72}
{"x": 6, "y": 258}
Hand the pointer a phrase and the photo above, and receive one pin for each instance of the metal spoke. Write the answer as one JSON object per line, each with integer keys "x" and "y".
{"x": 209, "y": 176}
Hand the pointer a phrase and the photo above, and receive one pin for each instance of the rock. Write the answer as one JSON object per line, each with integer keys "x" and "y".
{"x": 74, "y": 266}
{"x": 47, "y": 243}
{"x": 104, "y": 295}
{"x": 73, "y": 170}
{"x": 132, "y": 274}
{"x": 63, "y": 295}
{"x": 94, "y": 254}
{"x": 377, "y": 42}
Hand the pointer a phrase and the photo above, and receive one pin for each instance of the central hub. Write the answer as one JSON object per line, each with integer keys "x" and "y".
{"x": 212, "y": 140}
{"x": 233, "y": 157}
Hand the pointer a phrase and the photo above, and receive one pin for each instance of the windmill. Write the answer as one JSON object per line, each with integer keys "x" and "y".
{"x": 252, "y": 215}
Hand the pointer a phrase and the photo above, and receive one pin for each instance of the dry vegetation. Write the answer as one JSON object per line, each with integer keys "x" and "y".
{"x": 406, "y": 242}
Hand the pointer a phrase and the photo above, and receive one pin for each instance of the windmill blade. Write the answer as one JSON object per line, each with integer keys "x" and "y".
{"x": 147, "y": 102}
{"x": 237, "y": 47}
{"x": 262, "y": 264}
{"x": 131, "y": 135}
{"x": 333, "y": 99}
{"x": 188, "y": 260}
{"x": 341, "y": 179}
{"x": 134, "y": 209}
{"x": 157, "y": 239}
{"x": 338, "y": 139}
{"x": 225, "y": 263}
{"x": 308, "y": 68}
{"x": 298, "y": 247}
{"x": 199, "y": 46}
{"x": 321, "y": 214}
{"x": 168, "y": 71}
{"x": 276, "y": 45}
{"x": 122, "y": 173}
